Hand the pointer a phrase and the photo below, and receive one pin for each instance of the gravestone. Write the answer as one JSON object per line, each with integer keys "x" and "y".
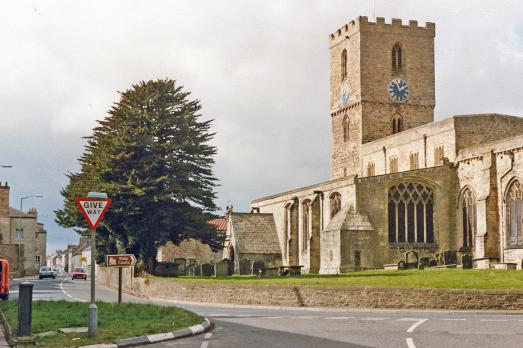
{"x": 221, "y": 269}
{"x": 182, "y": 263}
{"x": 411, "y": 259}
{"x": 207, "y": 270}
{"x": 245, "y": 267}
{"x": 258, "y": 268}
{"x": 424, "y": 261}
{"x": 466, "y": 261}
{"x": 450, "y": 257}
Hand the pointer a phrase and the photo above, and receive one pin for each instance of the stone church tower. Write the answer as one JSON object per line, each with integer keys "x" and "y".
{"x": 381, "y": 83}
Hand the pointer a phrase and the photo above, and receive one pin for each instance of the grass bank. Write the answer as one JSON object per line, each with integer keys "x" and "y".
{"x": 428, "y": 278}
{"x": 114, "y": 322}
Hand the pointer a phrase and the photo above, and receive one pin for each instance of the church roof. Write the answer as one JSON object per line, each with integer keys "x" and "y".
{"x": 255, "y": 233}
{"x": 220, "y": 223}
{"x": 349, "y": 220}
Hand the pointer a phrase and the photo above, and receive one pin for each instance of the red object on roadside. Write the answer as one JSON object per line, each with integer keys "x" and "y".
{"x": 4, "y": 278}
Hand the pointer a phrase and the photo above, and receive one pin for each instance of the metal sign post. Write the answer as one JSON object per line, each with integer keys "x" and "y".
{"x": 93, "y": 209}
{"x": 120, "y": 261}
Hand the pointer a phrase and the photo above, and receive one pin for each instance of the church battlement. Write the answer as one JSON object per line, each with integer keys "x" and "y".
{"x": 395, "y": 26}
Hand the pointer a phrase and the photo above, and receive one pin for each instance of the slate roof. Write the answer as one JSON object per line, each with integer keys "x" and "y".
{"x": 349, "y": 220}
{"x": 16, "y": 213}
{"x": 255, "y": 233}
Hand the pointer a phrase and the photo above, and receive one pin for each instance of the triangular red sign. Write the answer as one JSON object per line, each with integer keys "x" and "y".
{"x": 93, "y": 209}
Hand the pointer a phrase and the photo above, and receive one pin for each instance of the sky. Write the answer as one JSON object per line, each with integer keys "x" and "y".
{"x": 260, "y": 69}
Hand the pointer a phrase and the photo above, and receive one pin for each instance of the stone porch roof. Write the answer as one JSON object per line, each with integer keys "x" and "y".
{"x": 349, "y": 220}
{"x": 255, "y": 233}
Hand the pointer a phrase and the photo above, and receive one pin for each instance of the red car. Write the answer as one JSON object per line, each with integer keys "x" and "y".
{"x": 79, "y": 273}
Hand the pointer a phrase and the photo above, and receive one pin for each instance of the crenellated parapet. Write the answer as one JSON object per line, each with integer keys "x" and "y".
{"x": 396, "y": 26}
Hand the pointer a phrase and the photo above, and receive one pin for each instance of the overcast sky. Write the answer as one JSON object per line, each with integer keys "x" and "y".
{"x": 260, "y": 69}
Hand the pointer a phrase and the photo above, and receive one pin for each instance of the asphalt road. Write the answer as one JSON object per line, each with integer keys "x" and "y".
{"x": 252, "y": 326}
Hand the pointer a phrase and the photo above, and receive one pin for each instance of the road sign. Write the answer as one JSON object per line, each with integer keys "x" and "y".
{"x": 123, "y": 260}
{"x": 93, "y": 209}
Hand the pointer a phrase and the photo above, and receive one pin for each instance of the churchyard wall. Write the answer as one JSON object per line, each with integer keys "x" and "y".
{"x": 318, "y": 296}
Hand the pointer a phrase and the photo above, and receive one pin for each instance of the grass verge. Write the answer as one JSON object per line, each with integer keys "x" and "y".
{"x": 428, "y": 278}
{"x": 114, "y": 322}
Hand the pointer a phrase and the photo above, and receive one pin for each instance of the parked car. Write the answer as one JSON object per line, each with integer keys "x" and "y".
{"x": 79, "y": 273}
{"x": 46, "y": 272}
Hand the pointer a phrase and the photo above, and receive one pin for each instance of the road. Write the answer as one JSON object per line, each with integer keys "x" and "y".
{"x": 251, "y": 326}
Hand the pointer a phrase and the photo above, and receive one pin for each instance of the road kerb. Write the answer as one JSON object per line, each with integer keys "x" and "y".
{"x": 205, "y": 326}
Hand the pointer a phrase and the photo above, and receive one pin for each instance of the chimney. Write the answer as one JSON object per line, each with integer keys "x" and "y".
{"x": 4, "y": 200}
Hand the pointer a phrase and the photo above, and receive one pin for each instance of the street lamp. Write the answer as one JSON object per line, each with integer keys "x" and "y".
{"x": 5, "y": 166}
{"x": 20, "y": 215}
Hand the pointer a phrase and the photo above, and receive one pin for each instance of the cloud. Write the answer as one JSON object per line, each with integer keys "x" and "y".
{"x": 261, "y": 70}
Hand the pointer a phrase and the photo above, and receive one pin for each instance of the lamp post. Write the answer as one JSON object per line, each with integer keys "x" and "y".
{"x": 20, "y": 222}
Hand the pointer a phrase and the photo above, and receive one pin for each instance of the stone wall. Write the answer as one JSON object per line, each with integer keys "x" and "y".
{"x": 319, "y": 296}
{"x": 372, "y": 198}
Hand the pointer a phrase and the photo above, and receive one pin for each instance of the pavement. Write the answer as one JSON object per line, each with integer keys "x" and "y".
{"x": 257, "y": 326}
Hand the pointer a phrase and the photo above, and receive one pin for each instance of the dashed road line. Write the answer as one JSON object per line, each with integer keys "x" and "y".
{"x": 452, "y": 319}
{"x": 373, "y": 318}
{"x": 268, "y": 317}
{"x": 493, "y": 320}
{"x": 339, "y": 318}
{"x": 207, "y": 335}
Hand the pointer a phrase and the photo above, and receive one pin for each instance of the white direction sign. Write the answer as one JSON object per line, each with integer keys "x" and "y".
{"x": 93, "y": 209}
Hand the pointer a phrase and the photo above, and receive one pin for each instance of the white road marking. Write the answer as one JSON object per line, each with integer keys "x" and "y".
{"x": 410, "y": 343}
{"x": 204, "y": 344}
{"x": 374, "y": 318}
{"x": 453, "y": 319}
{"x": 416, "y": 324}
{"x": 493, "y": 320}
{"x": 408, "y": 319}
{"x": 338, "y": 318}
{"x": 300, "y": 317}
{"x": 207, "y": 335}
{"x": 69, "y": 295}
{"x": 269, "y": 317}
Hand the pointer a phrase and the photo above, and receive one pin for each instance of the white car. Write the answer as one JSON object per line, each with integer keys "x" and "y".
{"x": 46, "y": 272}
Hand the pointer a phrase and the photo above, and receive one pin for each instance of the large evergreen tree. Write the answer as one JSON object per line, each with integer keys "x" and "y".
{"x": 152, "y": 156}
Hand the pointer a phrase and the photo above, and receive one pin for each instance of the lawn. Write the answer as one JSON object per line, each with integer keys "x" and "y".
{"x": 428, "y": 278}
{"x": 114, "y": 322}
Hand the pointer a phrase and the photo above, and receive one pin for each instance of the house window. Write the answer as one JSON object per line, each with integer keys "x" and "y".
{"x": 393, "y": 164}
{"x": 414, "y": 160}
{"x": 397, "y": 124}
{"x": 468, "y": 211}
{"x": 335, "y": 202}
{"x": 37, "y": 261}
{"x": 513, "y": 207}
{"x": 410, "y": 213}
{"x": 345, "y": 128}
{"x": 438, "y": 155}
{"x": 371, "y": 169}
{"x": 344, "y": 65}
{"x": 397, "y": 62}
{"x": 19, "y": 234}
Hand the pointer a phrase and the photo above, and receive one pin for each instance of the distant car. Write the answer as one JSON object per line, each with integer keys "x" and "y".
{"x": 46, "y": 272}
{"x": 79, "y": 273}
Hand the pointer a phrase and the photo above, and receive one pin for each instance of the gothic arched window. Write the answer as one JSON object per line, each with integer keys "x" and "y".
{"x": 397, "y": 124}
{"x": 305, "y": 205}
{"x": 335, "y": 203}
{"x": 513, "y": 208}
{"x": 468, "y": 213}
{"x": 344, "y": 65}
{"x": 411, "y": 207}
{"x": 397, "y": 62}
{"x": 346, "y": 128}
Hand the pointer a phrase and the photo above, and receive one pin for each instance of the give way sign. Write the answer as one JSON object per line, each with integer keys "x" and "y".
{"x": 93, "y": 209}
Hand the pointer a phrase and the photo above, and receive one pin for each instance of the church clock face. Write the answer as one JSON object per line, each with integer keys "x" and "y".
{"x": 344, "y": 95}
{"x": 399, "y": 90}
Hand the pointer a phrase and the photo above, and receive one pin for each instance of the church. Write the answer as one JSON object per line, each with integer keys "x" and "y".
{"x": 399, "y": 180}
